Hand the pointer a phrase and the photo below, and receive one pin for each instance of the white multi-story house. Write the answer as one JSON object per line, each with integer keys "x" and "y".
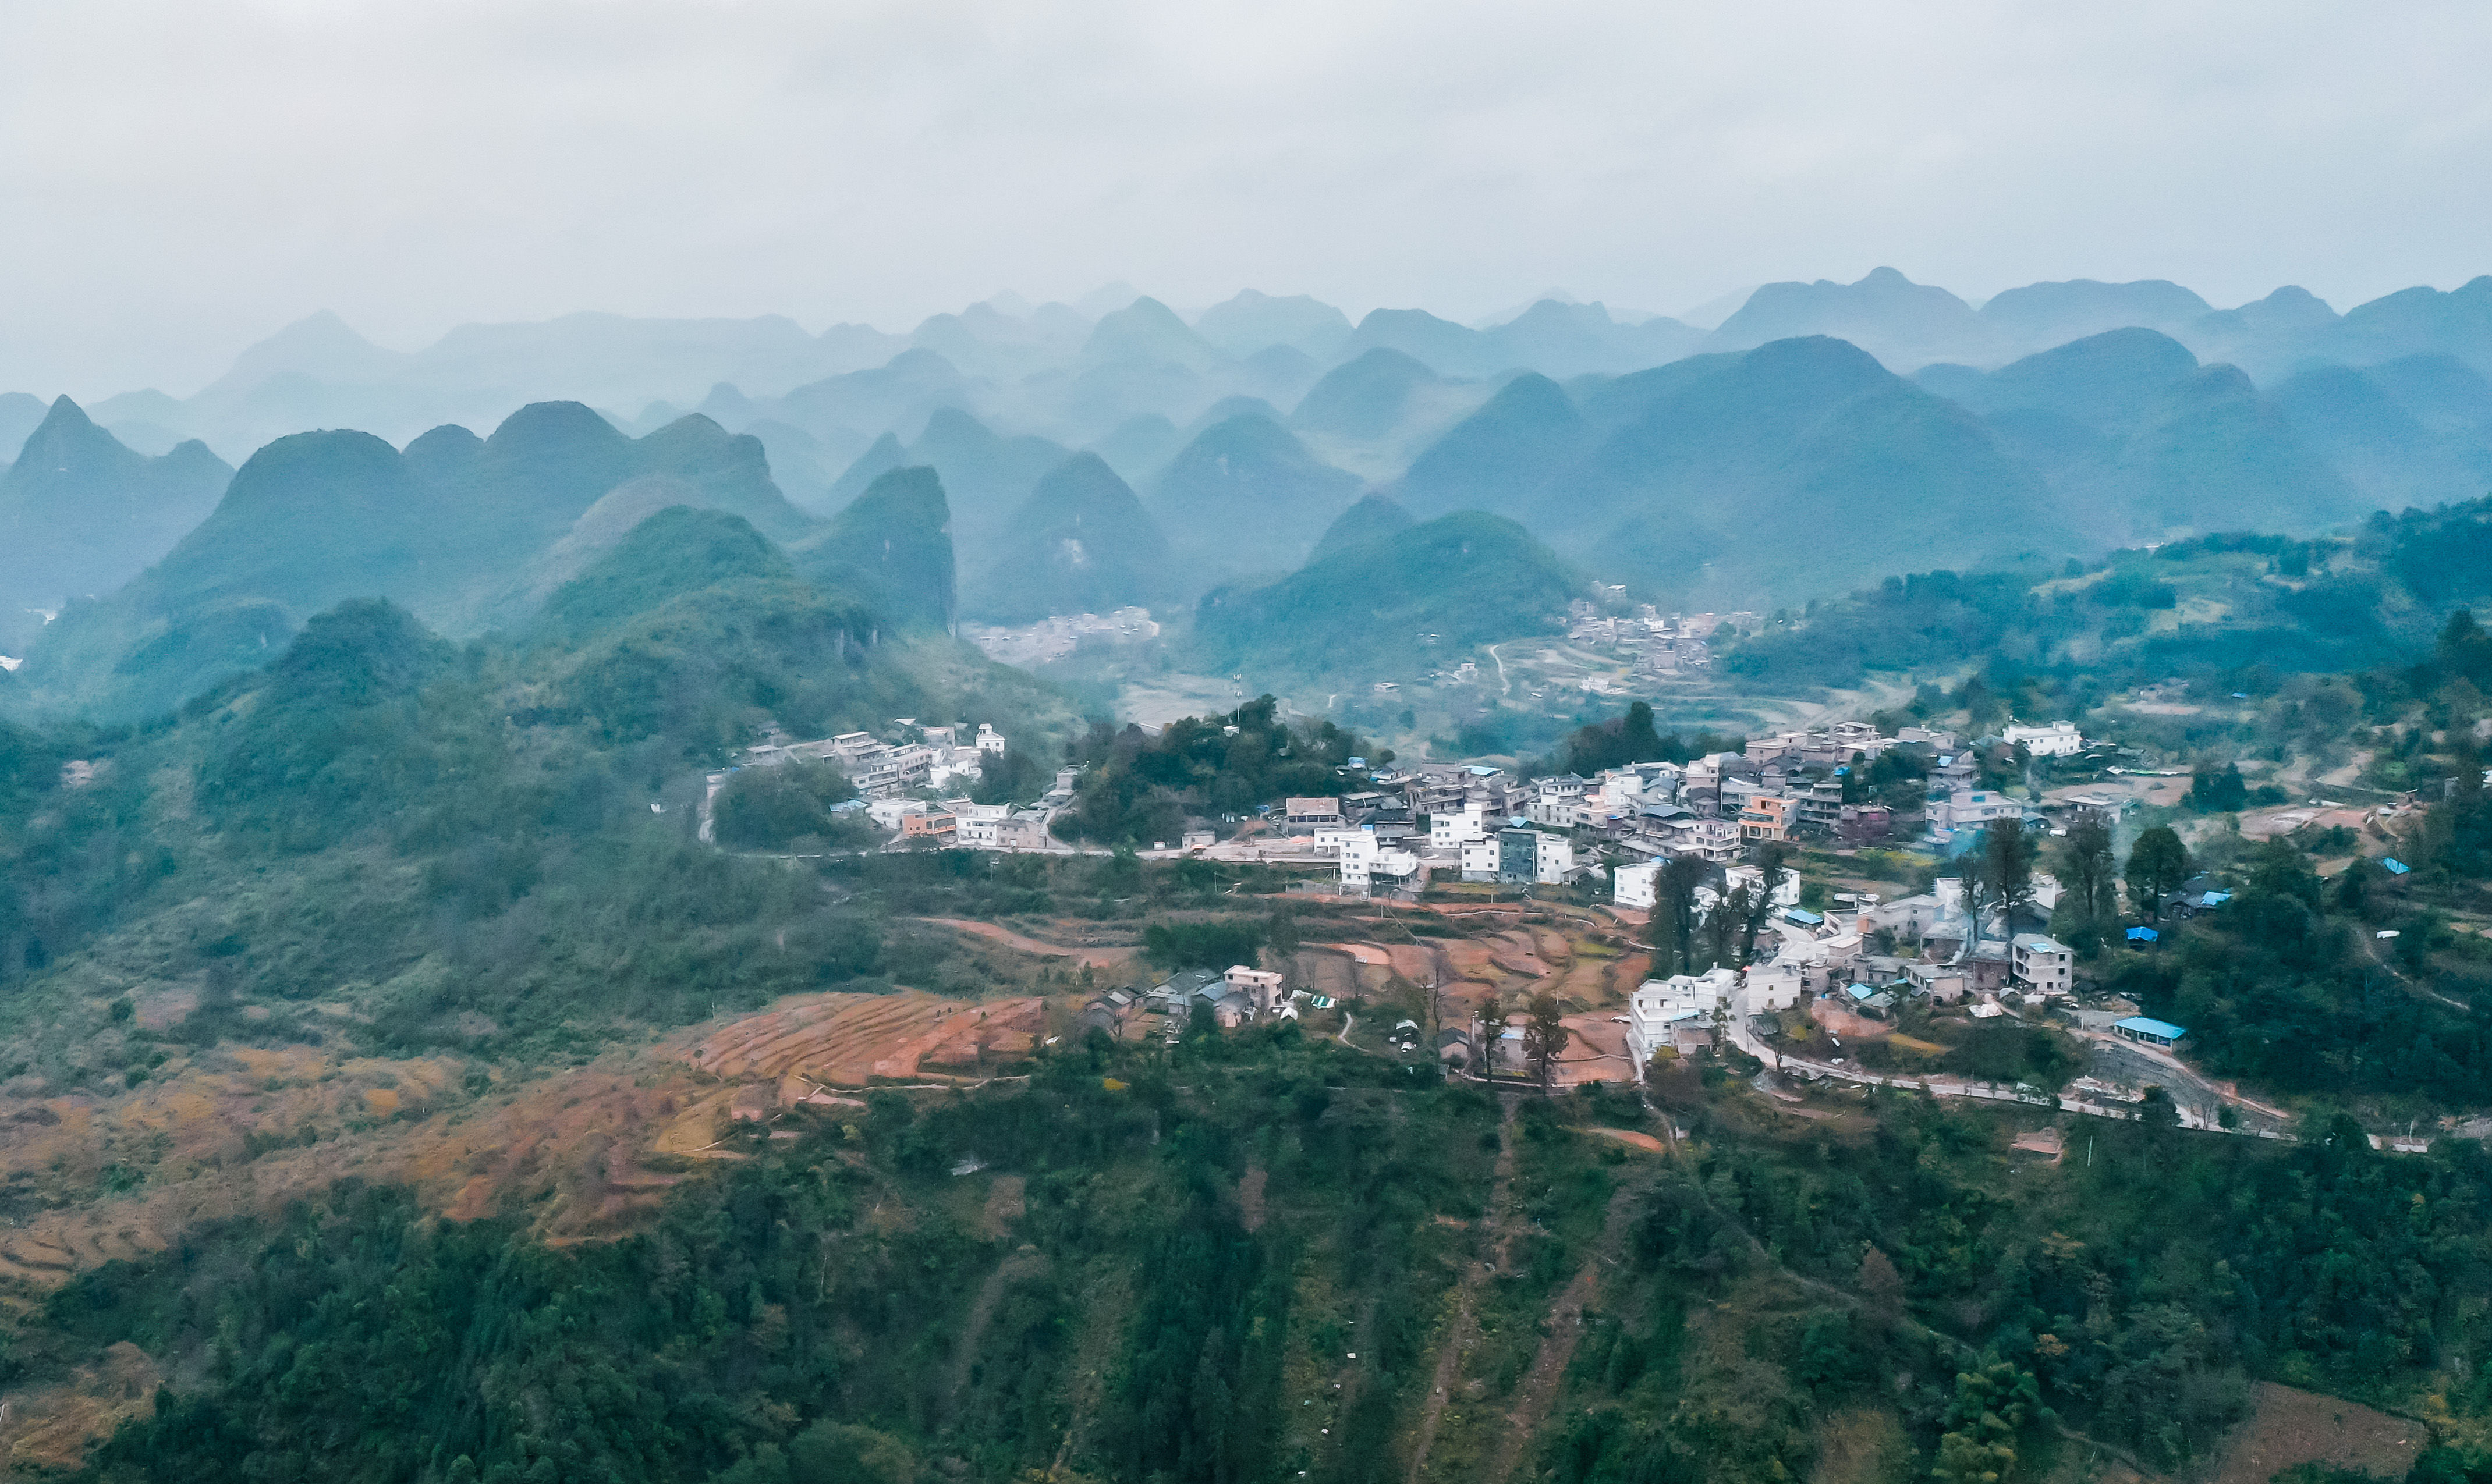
{"x": 1632, "y": 885}
{"x": 989, "y": 740}
{"x": 1660, "y": 1008}
{"x": 1974, "y": 809}
{"x": 1768, "y": 987}
{"x": 1712, "y": 840}
{"x": 980, "y": 824}
{"x": 1452, "y": 831}
{"x": 2059, "y": 739}
{"x": 1554, "y": 857}
{"x": 1556, "y": 812}
{"x": 1363, "y": 860}
{"x": 1786, "y": 889}
{"x": 1479, "y": 859}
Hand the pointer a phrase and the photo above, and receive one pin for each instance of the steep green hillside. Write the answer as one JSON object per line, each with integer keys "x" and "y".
{"x": 2245, "y": 602}
{"x": 985, "y": 474}
{"x": 1265, "y": 1256}
{"x": 1380, "y": 606}
{"x": 1081, "y": 544}
{"x": 676, "y": 551}
{"x": 891, "y": 547}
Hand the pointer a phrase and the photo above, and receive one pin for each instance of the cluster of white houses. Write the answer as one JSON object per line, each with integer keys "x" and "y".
{"x": 1479, "y": 821}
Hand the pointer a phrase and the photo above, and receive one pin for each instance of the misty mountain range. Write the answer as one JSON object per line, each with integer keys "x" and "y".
{"x": 1083, "y": 458}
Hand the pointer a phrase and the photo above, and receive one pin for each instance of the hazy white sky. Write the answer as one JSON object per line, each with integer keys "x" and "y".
{"x": 177, "y": 179}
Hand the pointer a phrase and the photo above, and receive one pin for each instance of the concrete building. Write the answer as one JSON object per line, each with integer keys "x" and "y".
{"x": 1311, "y": 813}
{"x": 1765, "y": 816}
{"x": 2041, "y": 965}
{"x": 2059, "y": 739}
{"x": 1518, "y": 856}
{"x": 1633, "y": 885}
{"x": 933, "y": 824}
{"x": 1260, "y": 987}
{"x": 1711, "y": 839}
{"x": 1448, "y": 830}
{"x": 978, "y": 824}
{"x": 892, "y": 813}
{"x": 1658, "y": 1008}
{"x": 1974, "y": 808}
{"x": 1025, "y": 830}
{"x": 1479, "y": 859}
{"x": 1366, "y": 860}
{"x": 1768, "y": 987}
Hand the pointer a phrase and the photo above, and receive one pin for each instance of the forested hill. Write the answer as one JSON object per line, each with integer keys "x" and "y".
{"x": 2219, "y": 603}
{"x": 466, "y": 533}
{"x": 1392, "y": 603}
{"x": 1265, "y": 1257}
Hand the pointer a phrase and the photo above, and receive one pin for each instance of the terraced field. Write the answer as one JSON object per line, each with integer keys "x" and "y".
{"x": 854, "y": 1040}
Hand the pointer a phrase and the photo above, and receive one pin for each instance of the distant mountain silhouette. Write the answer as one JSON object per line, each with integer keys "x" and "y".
{"x": 1245, "y": 496}
{"x": 1362, "y": 399}
{"x": 1563, "y": 339}
{"x": 458, "y": 530}
{"x": 2139, "y": 439}
{"x": 1140, "y": 446}
{"x": 1439, "y": 344}
{"x": 911, "y": 387}
{"x": 673, "y": 551}
{"x": 1373, "y": 518}
{"x": 1526, "y": 431}
{"x": 80, "y": 514}
{"x": 2390, "y": 435}
{"x": 1799, "y": 469}
{"x": 1149, "y": 332}
{"x": 1255, "y": 321}
{"x": 2040, "y": 315}
{"x": 985, "y": 475}
{"x": 20, "y": 414}
{"x": 2104, "y": 381}
{"x": 1901, "y": 323}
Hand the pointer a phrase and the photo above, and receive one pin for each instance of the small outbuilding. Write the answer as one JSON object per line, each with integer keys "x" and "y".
{"x": 2147, "y": 1031}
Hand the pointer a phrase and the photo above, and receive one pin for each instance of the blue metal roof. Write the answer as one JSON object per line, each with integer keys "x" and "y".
{"x": 2143, "y": 935}
{"x": 2147, "y": 1025}
{"x": 2396, "y": 866}
{"x": 1858, "y": 991}
{"x": 1802, "y": 916}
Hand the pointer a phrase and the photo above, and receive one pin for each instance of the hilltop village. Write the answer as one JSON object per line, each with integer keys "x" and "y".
{"x": 1848, "y": 904}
